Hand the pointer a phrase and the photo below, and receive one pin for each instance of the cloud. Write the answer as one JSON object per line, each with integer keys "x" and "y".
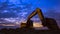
{"x": 7, "y": 15}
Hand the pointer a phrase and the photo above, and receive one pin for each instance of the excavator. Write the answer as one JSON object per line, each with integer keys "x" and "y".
{"x": 48, "y": 22}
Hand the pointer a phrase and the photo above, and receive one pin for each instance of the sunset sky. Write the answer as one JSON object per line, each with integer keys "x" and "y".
{"x": 17, "y": 10}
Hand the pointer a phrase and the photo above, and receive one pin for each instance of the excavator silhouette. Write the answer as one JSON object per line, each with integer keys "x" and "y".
{"x": 49, "y": 22}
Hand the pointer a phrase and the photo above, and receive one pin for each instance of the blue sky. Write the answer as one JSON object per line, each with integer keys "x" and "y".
{"x": 22, "y": 8}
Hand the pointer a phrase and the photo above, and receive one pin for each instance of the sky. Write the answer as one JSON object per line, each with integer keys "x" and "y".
{"x": 18, "y": 10}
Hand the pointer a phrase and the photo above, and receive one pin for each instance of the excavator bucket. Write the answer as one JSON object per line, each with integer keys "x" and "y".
{"x": 29, "y": 24}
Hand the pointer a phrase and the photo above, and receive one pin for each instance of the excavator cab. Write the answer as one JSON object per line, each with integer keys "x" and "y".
{"x": 49, "y": 22}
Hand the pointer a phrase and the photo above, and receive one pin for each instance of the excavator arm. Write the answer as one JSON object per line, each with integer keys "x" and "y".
{"x": 40, "y": 14}
{"x": 37, "y": 11}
